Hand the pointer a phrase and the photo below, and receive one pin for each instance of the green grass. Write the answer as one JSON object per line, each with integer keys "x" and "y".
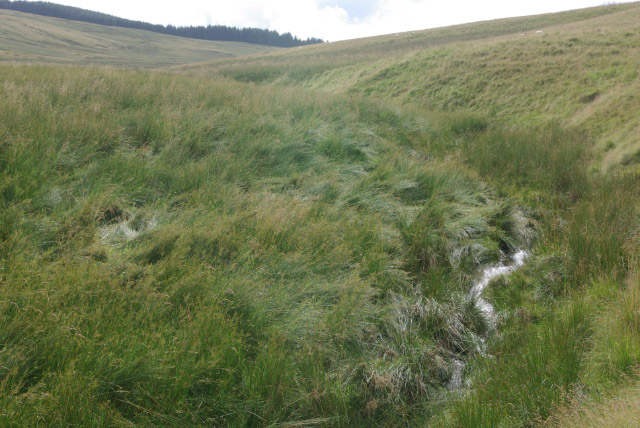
{"x": 320, "y": 258}
{"x": 577, "y": 68}
{"x": 290, "y": 244}
{"x": 26, "y": 38}
{"x": 203, "y": 252}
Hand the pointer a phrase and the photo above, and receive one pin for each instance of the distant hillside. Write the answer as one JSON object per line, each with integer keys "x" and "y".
{"x": 32, "y": 38}
{"x": 578, "y": 67}
{"x": 216, "y": 32}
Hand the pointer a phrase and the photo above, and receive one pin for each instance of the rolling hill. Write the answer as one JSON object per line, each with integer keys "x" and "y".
{"x": 27, "y": 38}
{"x": 578, "y": 67}
{"x": 315, "y": 236}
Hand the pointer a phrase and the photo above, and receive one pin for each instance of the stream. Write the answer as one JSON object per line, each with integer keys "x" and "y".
{"x": 487, "y": 309}
{"x": 488, "y": 274}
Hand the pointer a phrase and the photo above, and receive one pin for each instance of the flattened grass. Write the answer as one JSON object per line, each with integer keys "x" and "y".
{"x": 178, "y": 251}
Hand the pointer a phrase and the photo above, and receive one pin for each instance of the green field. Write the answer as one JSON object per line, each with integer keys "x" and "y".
{"x": 26, "y": 38}
{"x": 289, "y": 239}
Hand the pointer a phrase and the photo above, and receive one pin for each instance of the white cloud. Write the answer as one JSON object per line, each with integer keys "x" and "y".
{"x": 327, "y": 19}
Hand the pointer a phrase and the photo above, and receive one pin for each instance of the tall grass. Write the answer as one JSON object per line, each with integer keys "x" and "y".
{"x": 555, "y": 341}
{"x": 565, "y": 325}
{"x": 603, "y": 229}
{"x": 180, "y": 252}
{"x": 550, "y": 159}
{"x": 522, "y": 383}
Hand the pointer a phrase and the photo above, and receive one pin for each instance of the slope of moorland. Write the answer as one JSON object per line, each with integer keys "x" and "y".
{"x": 579, "y": 67}
{"x": 210, "y": 32}
{"x": 281, "y": 241}
{"x": 33, "y": 38}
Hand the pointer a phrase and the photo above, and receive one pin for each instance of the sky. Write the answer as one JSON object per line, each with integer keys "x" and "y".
{"x": 330, "y": 20}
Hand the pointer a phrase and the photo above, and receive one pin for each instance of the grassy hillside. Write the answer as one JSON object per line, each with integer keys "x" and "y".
{"x": 283, "y": 241}
{"x": 578, "y": 67}
{"x": 32, "y": 38}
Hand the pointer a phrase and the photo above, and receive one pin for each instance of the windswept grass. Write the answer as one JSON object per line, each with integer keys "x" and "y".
{"x": 178, "y": 251}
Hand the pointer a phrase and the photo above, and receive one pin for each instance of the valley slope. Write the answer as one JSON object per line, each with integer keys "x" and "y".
{"x": 579, "y": 68}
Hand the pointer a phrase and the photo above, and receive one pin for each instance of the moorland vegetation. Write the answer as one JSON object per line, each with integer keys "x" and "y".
{"x": 289, "y": 239}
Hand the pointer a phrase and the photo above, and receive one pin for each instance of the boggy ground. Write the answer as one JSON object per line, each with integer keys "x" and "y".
{"x": 180, "y": 250}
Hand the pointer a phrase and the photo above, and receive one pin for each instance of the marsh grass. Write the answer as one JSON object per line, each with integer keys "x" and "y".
{"x": 212, "y": 253}
{"x": 550, "y": 159}
{"x": 580, "y": 70}
{"x": 178, "y": 251}
{"x": 566, "y": 329}
{"x": 242, "y": 251}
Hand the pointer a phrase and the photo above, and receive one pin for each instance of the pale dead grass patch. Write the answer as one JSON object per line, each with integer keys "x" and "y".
{"x": 621, "y": 410}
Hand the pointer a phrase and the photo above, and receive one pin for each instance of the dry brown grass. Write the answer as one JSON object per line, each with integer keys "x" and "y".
{"x": 621, "y": 410}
